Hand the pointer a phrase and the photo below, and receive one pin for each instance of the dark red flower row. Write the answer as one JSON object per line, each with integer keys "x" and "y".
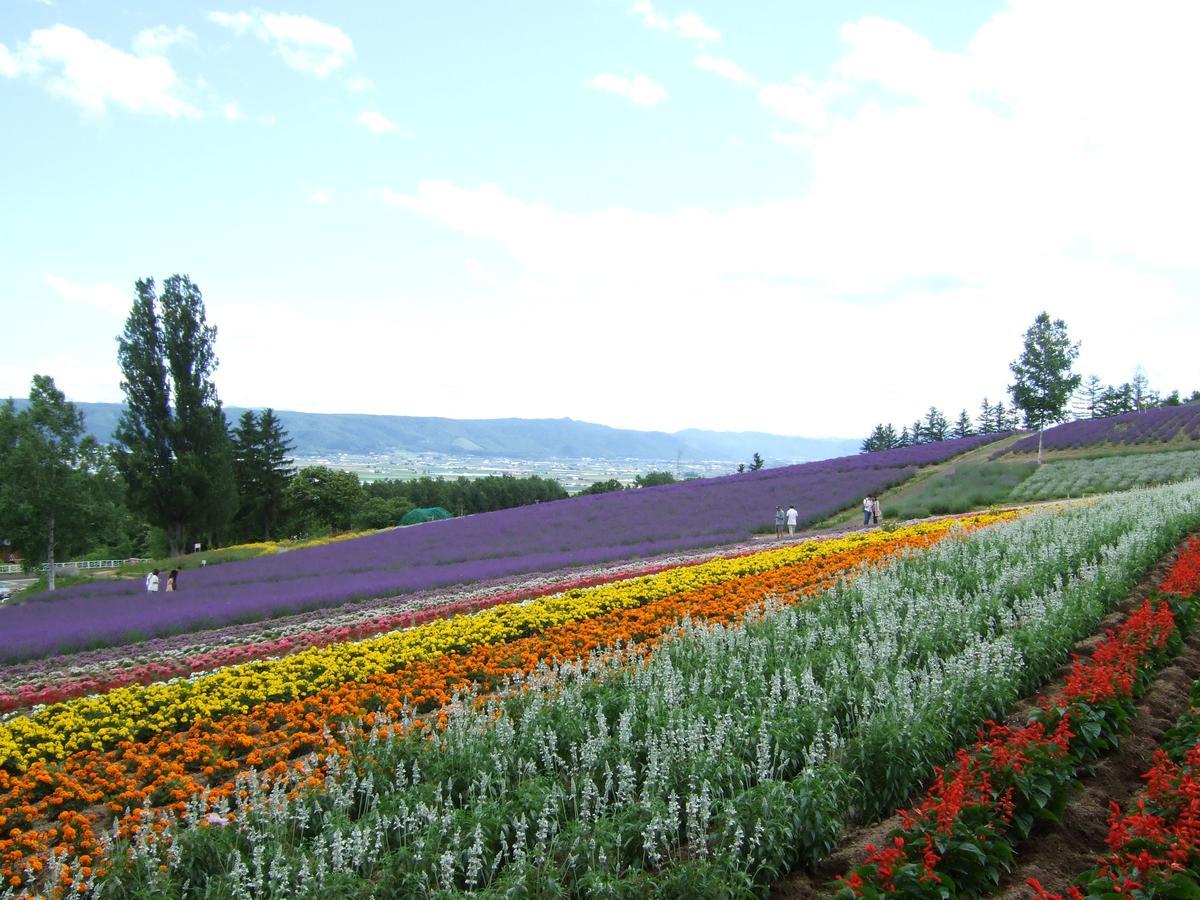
{"x": 962, "y": 837}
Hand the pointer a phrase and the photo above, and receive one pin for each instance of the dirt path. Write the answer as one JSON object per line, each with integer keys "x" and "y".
{"x": 1055, "y": 855}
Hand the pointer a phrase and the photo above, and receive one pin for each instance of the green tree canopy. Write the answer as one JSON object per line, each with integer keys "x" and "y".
{"x": 262, "y": 465}
{"x": 47, "y": 495}
{"x": 650, "y": 479}
{"x": 319, "y": 499}
{"x": 603, "y": 487}
{"x": 173, "y": 448}
{"x": 1042, "y": 378}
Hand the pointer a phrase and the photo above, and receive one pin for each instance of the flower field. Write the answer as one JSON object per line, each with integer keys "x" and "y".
{"x": 696, "y": 726}
{"x": 1150, "y": 426}
{"x": 580, "y": 532}
{"x": 1076, "y": 477}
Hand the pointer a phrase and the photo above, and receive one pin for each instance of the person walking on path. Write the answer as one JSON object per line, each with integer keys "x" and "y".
{"x": 792, "y": 517}
{"x": 868, "y": 507}
{"x": 152, "y": 582}
{"x": 780, "y": 519}
{"x": 171, "y": 582}
{"x": 876, "y": 511}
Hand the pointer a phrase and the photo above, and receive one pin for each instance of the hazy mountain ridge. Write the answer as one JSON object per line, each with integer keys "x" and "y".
{"x": 321, "y": 434}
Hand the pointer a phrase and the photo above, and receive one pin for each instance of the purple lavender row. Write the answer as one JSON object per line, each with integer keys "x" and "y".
{"x": 1149, "y": 426}
{"x": 549, "y": 536}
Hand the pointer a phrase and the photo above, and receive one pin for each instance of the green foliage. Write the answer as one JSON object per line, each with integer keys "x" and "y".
{"x": 935, "y": 427}
{"x": 603, "y": 487}
{"x": 1076, "y": 477}
{"x": 57, "y": 487}
{"x": 1043, "y": 381}
{"x": 262, "y": 467}
{"x": 379, "y": 512}
{"x": 173, "y": 449}
{"x": 962, "y": 427}
{"x": 963, "y": 487}
{"x": 319, "y": 500}
{"x": 651, "y": 479}
{"x": 757, "y": 462}
{"x": 465, "y": 496}
{"x": 883, "y": 437}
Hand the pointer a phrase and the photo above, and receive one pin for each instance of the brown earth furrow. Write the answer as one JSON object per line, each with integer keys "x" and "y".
{"x": 1056, "y": 855}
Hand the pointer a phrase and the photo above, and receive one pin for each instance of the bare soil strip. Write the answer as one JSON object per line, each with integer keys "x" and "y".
{"x": 1054, "y": 855}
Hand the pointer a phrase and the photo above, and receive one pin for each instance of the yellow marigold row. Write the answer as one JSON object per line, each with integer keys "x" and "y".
{"x": 136, "y": 712}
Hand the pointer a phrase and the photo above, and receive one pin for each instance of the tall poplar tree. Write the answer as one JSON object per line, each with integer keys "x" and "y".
{"x": 173, "y": 447}
{"x": 1043, "y": 380}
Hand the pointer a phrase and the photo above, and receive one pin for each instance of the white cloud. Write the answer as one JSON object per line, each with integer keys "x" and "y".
{"x": 321, "y": 196}
{"x": 95, "y": 75}
{"x": 232, "y": 112}
{"x": 478, "y": 271}
{"x": 376, "y": 122}
{"x": 103, "y": 296}
{"x": 304, "y": 43}
{"x": 358, "y": 85}
{"x": 8, "y": 63}
{"x": 935, "y": 221}
{"x": 268, "y": 119}
{"x": 639, "y": 90}
{"x": 688, "y": 25}
{"x": 804, "y": 101}
{"x": 158, "y": 40}
{"x": 726, "y": 68}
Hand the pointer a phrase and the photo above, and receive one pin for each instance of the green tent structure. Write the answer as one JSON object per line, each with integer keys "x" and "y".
{"x": 424, "y": 514}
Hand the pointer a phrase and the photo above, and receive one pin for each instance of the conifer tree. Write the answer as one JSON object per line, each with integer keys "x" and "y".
{"x": 262, "y": 466}
{"x": 962, "y": 428}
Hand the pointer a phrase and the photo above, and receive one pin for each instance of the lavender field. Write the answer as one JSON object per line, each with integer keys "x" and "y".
{"x": 1148, "y": 427}
{"x": 550, "y": 536}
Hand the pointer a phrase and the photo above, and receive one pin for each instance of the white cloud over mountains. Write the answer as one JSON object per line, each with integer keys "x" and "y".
{"x": 1049, "y": 164}
{"x": 304, "y": 43}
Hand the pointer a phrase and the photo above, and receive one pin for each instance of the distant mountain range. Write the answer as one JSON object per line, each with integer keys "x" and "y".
{"x": 325, "y": 434}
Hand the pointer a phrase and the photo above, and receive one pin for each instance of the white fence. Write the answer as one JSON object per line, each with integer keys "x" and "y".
{"x": 81, "y": 564}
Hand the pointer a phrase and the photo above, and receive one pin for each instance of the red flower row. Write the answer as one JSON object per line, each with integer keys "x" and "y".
{"x": 986, "y": 800}
{"x": 1184, "y": 577}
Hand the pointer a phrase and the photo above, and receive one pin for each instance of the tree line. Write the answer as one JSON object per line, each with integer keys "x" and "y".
{"x": 1045, "y": 391}
{"x": 179, "y": 474}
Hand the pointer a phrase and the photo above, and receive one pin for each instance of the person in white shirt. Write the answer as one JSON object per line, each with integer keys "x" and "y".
{"x": 152, "y": 582}
{"x": 868, "y": 506}
{"x": 792, "y": 516}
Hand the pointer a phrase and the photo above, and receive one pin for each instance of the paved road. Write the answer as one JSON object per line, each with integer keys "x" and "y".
{"x": 12, "y": 585}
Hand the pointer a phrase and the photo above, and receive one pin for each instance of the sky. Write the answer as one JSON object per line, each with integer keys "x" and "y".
{"x": 784, "y": 216}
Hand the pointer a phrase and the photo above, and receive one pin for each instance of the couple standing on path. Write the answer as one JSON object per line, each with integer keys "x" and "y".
{"x": 871, "y": 510}
{"x": 152, "y": 581}
{"x": 789, "y": 518}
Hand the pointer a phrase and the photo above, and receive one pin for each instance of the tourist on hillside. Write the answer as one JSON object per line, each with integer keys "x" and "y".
{"x": 171, "y": 583}
{"x": 792, "y": 517}
{"x": 152, "y": 582}
{"x": 876, "y": 511}
{"x": 868, "y": 508}
{"x": 780, "y": 520}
